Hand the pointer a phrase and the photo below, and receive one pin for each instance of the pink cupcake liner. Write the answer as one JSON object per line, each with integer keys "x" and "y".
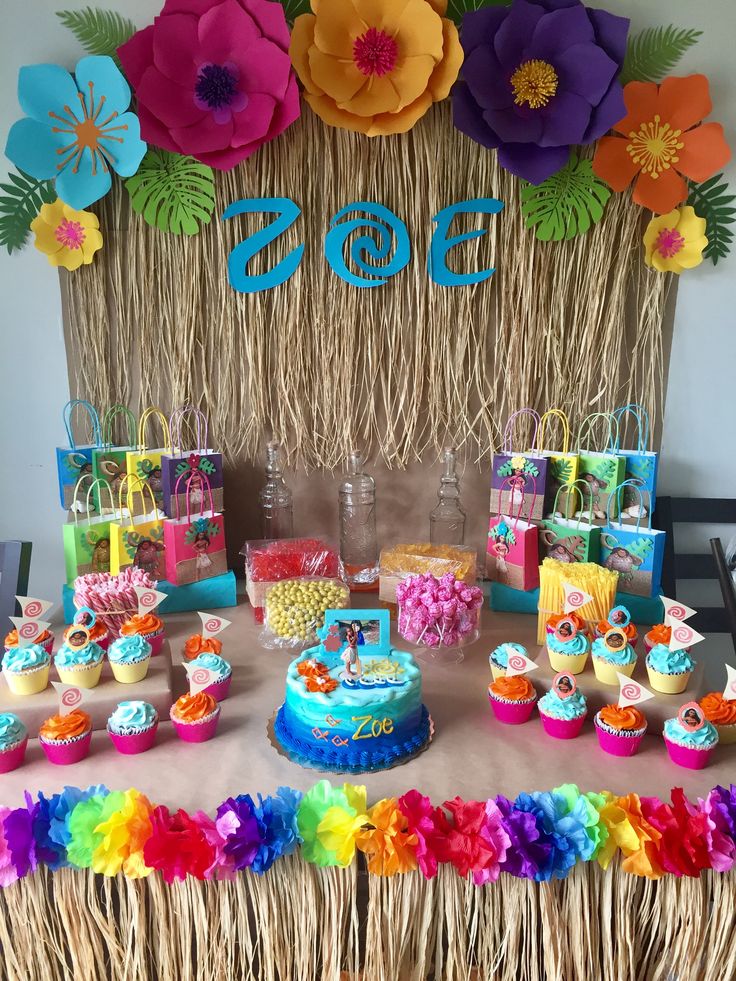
{"x": 63, "y": 754}
{"x": 219, "y": 689}
{"x": 512, "y": 713}
{"x": 562, "y": 728}
{"x": 691, "y": 759}
{"x": 134, "y": 743}
{"x": 156, "y": 641}
{"x": 48, "y": 645}
{"x": 615, "y": 744}
{"x": 12, "y": 758}
{"x": 197, "y": 732}
{"x": 104, "y": 642}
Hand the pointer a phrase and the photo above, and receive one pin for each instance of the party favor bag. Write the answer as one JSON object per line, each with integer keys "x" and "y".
{"x": 601, "y": 471}
{"x": 190, "y": 459}
{"x": 137, "y": 537}
{"x": 145, "y": 463}
{"x": 87, "y": 540}
{"x": 636, "y": 553}
{"x": 75, "y": 461}
{"x": 570, "y": 539}
{"x": 512, "y": 552}
{"x": 563, "y": 466}
{"x": 109, "y": 460}
{"x": 641, "y": 463}
{"x": 195, "y": 543}
{"x": 519, "y": 476}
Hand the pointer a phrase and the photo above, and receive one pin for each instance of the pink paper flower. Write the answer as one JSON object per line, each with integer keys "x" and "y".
{"x": 213, "y": 79}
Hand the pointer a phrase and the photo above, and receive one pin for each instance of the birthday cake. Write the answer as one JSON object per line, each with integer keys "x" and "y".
{"x": 353, "y": 703}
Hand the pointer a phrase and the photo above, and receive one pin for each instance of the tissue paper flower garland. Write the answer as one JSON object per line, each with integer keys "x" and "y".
{"x": 213, "y": 80}
{"x": 539, "y": 836}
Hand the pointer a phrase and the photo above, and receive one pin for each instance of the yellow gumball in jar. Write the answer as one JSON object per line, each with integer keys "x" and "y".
{"x": 294, "y": 609}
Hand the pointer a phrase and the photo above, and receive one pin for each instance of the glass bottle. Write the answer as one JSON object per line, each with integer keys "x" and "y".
{"x": 277, "y": 514}
{"x": 447, "y": 520}
{"x": 358, "y": 543}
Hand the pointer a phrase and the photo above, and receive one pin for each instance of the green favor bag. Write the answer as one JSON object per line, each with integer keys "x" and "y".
{"x": 570, "y": 539}
{"x": 87, "y": 540}
{"x": 109, "y": 460}
{"x": 601, "y": 470}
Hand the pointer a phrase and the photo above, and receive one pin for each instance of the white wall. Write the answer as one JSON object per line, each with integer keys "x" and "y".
{"x": 701, "y": 398}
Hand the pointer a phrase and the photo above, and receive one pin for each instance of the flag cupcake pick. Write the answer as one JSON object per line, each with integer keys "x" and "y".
{"x": 574, "y": 597}
{"x": 199, "y": 678}
{"x": 28, "y": 630}
{"x": 683, "y": 636}
{"x": 676, "y": 611}
{"x": 631, "y": 692}
{"x": 729, "y": 692}
{"x": 70, "y": 697}
{"x": 32, "y": 608}
{"x": 148, "y": 599}
{"x": 212, "y": 625}
{"x": 518, "y": 664}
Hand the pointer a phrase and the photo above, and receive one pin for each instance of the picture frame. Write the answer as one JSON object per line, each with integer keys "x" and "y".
{"x": 375, "y": 628}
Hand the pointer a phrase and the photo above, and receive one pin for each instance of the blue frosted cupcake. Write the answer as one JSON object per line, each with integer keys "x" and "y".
{"x": 80, "y": 666}
{"x": 608, "y": 661}
{"x": 669, "y": 671}
{"x": 129, "y": 658}
{"x": 691, "y": 748}
{"x": 568, "y": 653}
{"x": 562, "y": 718}
{"x": 13, "y": 742}
{"x": 26, "y": 669}
{"x": 132, "y": 727}
{"x": 499, "y": 658}
{"x": 218, "y": 665}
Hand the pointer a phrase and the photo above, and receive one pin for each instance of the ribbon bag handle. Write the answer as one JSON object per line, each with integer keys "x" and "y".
{"x": 149, "y": 413}
{"x": 94, "y": 419}
{"x": 141, "y": 488}
{"x": 643, "y": 426}
{"x": 118, "y": 409}
{"x": 565, "y": 422}
{"x": 204, "y": 482}
{"x": 586, "y": 427}
{"x": 619, "y": 487}
{"x": 508, "y": 431}
{"x": 177, "y": 417}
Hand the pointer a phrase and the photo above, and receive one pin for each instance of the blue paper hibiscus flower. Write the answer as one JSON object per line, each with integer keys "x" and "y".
{"x": 78, "y": 129}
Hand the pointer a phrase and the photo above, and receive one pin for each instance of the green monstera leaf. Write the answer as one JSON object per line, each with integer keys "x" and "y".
{"x": 565, "y": 205}
{"x": 173, "y": 193}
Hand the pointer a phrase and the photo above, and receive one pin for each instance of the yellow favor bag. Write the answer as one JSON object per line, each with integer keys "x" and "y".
{"x": 145, "y": 463}
{"x": 137, "y": 538}
{"x": 563, "y": 469}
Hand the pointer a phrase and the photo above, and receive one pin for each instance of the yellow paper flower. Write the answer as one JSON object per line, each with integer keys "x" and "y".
{"x": 339, "y": 827}
{"x": 675, "y": 241}
{"x": 375, "y": 66}
{"x": 518, "y": 462}
{"x": 124, "y": 833}
{"x": 67, "y": 237}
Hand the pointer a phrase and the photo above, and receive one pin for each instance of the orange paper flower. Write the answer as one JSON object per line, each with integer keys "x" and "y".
{"x": 663, "y": 143}
{"x": 375, "y": 66}
{"x": 387, "y": 843}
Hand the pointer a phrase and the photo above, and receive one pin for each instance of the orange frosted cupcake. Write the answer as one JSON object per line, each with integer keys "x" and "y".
{"x": 632, "y": 634}
{"x": 556, "y": 618}
{"x": 721, "y": 712}
{"x": 66, "y": 738}
{"x": 45, "y": 640}
{"x": 659, "y": 634}
{"x": 149, "y": 626}
{"x": 512, "y": 699}
{"x": 197, "y": 644}
{"x": 195, "y": 717}
{"x": 620, "y": 730}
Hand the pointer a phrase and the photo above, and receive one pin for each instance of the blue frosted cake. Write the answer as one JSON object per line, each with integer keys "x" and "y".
{"x": 353, "y": 706}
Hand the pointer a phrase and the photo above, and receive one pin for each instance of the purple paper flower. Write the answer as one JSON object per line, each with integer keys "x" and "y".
{"x": 528, "y": 852}
{"x": 237, "y": 824}
{"x": 8, "y": 874}
{"x": 563, "y": 830}
{"x": 539, "y": 77}
{"x": 48, "y": 851}
{"x": 18, "y": 831}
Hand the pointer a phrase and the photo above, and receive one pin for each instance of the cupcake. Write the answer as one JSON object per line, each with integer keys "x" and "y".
{"x": 512, "y": 699}
{"x": 45, "y": 640}
{"x": 691, "y": 748}
{"x": 620, "y": 730}
{"x": 197, "y": 644}
{"x": 66, "y": 738}
{"x": 129, "y": 658}
{"x": 132, "y": 727}
{"x": 98, "y": 632}
{"x": 607, "y": 661}
{"x": 499, "y": 658}
{"x": 80, "y": 666}
{"x": 221, "y": 686}
{"x": 669, "y": 671}
{"x": 568, "y": 652}
{"x": 195, "y": 717}
{"x": 721, "y": 712}
{"x": 555, "y": 618}
{"x": 562, "y": 717}
{"x": 149, "y": 626}
{"x": 26, "y": 669}
{"x": 603, "y": 626}
{"x": 13, "y": 742}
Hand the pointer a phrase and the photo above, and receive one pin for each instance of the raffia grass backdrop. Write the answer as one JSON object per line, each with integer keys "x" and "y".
{"x": 399, "y": 370}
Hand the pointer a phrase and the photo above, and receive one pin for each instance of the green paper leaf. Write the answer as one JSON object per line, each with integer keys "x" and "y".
{"x": 294, "y": 8}
{"x": 457, "y": 8}
{"x": 173, "y": 193}
{"x": 712, "y": 201}
{"x": 100, "y": 32}
{"x": 20, "y": 203}
{"x": 566, "y": 204}
{"x": 653, "y": 53}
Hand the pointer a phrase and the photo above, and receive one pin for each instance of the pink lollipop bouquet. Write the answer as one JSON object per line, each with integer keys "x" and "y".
{"x": 111, "y": 598}
{"x": 439, "y": 615}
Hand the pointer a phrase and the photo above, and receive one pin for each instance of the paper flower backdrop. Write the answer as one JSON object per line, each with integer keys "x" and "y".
{"x": 375, "y": 66}
{"x": 77, "y": 129}
{"x": 675, "y": 241}
{"x": 213, "y": 80}
{"x": 67, "y": 237}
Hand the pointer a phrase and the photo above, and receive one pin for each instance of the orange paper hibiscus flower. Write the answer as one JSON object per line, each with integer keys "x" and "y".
{"x": 375, "y": 66}
{"x": 662, "y": 142}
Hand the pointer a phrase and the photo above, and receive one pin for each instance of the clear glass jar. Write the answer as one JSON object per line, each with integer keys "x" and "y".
{"x": 447, "y": 520}
{"x": 358, "y": 541}
{"x": 277, "y": 511}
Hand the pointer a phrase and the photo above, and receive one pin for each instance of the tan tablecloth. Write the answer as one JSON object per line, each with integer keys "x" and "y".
{"x": 472, "y": 755}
